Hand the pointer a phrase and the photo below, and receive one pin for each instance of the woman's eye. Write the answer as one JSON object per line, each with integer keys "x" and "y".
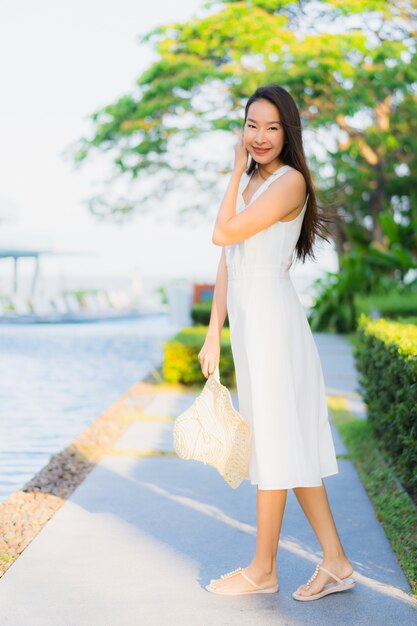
{"x": 271, "y": 127}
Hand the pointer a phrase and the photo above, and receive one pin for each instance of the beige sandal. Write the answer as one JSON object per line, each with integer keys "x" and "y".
{"x": 340, "y": 585}
{"x": 258, "y": 588}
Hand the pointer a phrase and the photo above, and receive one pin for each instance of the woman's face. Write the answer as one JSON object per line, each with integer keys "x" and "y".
{"x": 263, "y": 130}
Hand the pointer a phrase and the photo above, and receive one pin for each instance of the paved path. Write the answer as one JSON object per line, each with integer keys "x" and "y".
{"x": 141, "y": 536}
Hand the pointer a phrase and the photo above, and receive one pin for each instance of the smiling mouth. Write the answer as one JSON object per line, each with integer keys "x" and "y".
{"x": 260, "y": 150}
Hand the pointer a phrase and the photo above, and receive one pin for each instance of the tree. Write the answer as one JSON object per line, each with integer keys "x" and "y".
{"x": 351, "y": 67}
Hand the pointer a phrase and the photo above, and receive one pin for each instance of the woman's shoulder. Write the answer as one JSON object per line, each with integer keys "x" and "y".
{"x": 291, "y": 183}
{"x": 294, "y": 177}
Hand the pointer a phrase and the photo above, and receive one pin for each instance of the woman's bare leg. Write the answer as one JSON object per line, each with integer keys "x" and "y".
{"x": 315, "y": 504}
{"x": 262, "y": 569}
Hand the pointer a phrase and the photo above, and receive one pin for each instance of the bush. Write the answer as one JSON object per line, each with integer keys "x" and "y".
{"x": 386, "y": 358}
{"x": 334, "y": 308}
{"x": 361, "y": 284}
{"x": 200, "y": 313}
{"x": 393, "y": 304}
{"x": 181, "y": 364}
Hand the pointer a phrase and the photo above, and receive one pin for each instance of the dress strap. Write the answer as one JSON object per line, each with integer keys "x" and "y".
{"x": 264, "y": 185}
{"x": 281, "y": 170}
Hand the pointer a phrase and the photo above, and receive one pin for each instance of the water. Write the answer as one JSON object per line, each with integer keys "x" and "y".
{"x": 56, "y": 379}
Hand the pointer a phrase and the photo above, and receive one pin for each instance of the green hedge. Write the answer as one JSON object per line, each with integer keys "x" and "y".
{"x": 392, "y": 304}
{"x": 386, "y": 358}
{"x": 200, "y": 313}
{"x": 181, "y": 364}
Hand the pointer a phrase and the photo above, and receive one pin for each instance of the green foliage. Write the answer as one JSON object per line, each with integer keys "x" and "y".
{"x": 181, "y": 364}
{"x": 79, "y": 293}
{"x": 334, "y": 309}
{"x": 355, "y": 87}
{"x": 360, "y": 6}
{"x": 386, "y": 358}
{"x": 206, "y": 68}
{"x": 369, "y": 278}
{"x": 394, "y": 508}
{"x": 200, "y": 313}
{"x": 392, "y": 304}
{"x": 345, "y": 295}
{"x": 163, "y": 294}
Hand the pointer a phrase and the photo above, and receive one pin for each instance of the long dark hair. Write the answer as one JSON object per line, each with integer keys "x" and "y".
{"x": 293, "y": 154}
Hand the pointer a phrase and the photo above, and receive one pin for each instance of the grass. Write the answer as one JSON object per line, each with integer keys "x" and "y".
{"x": 393, "y": 506}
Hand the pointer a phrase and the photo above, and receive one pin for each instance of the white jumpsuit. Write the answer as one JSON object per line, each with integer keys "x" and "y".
{"x": 279, "y": 377}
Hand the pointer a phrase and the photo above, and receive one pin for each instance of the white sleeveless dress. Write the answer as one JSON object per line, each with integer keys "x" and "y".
{"x": 279, "y": 378}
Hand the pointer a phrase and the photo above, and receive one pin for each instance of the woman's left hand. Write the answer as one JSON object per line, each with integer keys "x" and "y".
{"x": 241, "y": 155}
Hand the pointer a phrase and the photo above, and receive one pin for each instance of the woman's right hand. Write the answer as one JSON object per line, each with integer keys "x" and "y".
{"x": 209, "y": 355}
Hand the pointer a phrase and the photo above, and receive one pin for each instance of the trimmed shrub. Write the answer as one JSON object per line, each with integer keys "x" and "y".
{"x": 200, "y": 313}
{"x": 181, "y": 364}
{"x": 386, "y": 358}
{"x": 393, "y": 304}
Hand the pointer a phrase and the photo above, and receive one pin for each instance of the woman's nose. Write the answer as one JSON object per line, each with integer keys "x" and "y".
{"x": 260, "y": 136}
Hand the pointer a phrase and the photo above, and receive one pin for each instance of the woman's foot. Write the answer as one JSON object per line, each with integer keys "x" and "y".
{"x": 235, "y": 582}
{"x": 341, "y": 567}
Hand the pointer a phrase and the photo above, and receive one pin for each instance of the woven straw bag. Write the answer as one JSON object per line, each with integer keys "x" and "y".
{"x": 211, "y": 430}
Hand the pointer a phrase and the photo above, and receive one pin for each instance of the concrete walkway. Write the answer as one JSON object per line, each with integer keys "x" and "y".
{"x": 141, "y": 536}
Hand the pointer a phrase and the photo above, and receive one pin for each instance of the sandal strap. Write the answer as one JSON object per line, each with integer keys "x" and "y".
{"x": 339, "y": 580}
{"x": 250, "y": 580}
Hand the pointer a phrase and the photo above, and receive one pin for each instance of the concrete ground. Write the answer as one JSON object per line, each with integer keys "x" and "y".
{"x": 137, "y": 541}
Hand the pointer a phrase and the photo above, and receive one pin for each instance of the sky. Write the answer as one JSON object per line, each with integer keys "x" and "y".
{"x": 60, "y": 63}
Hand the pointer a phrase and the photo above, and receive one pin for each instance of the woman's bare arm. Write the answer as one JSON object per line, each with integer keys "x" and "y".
{"x": 219, "y": 306}
{"x": 283, "y": 196}
{"x": 209, "y": 354}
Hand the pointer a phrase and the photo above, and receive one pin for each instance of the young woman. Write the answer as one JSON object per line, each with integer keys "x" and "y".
{"x": 268, "y": 216}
